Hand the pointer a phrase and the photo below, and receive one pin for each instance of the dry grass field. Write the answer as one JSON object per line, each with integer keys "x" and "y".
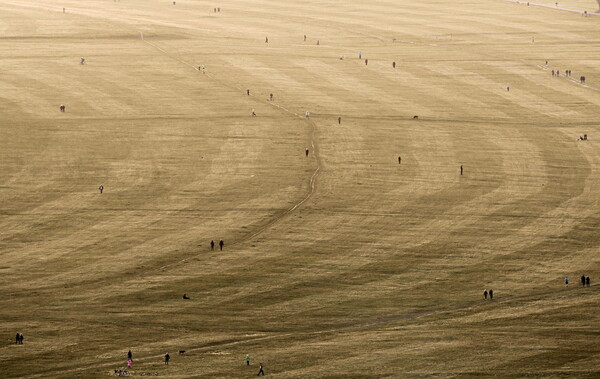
{"x": 342, "y": 263}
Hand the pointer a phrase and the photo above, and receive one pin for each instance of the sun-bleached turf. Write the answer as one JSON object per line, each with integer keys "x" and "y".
{"x": 340, "y": 264}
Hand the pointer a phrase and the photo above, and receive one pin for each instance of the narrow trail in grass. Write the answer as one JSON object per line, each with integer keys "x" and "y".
{"x": 312, "y": 185}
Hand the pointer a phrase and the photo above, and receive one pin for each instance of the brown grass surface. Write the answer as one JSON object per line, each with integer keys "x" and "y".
{"x": 340, "y": 264}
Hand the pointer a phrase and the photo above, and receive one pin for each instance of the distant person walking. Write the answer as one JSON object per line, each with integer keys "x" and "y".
{"x": 101, "y": 188}
{"x": 318, "y": 42}
{"x": 399, "y": 160}
{"x": 17, "y": 339}
{"x": 253, "y": 113}
{"x": 221, "y": 244}
{"x": 82, "y": 60}
{"x": 212, "y": 244}
{"x": 491, "y": 294}
{"x": 270, "y": 97}
{"x": 129, "y": 363}
{"x": 587, "y": 281}
{"x": 306, "y": 151}
{"x": 393, "y": 64}
{"x": 167, "y": 358}
{"x": 307, "y": 114}
{"x": 62, "y": 108}
{"x": 248, "y": 92}
{"x": 507, "y": 88}
{"x": 567, "y": 281}
{"x": 461, "y": 169}
{"x": 247, "y": 359}
{"x": 266, "y": 39}
{"x": 485, "y": 293}
{"x": 261, "y": 370}
{"x": 359, "y": 55}
{"x": 583, "y": 280}
{"x": 305, "y": 38}
{"x": 339, "y": 120}
{"x": 129, "y": 355}
{"x": 366, "y": 62}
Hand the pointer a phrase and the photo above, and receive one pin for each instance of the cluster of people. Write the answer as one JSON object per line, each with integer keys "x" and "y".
{"x": 583, "y": 138}
{"x": 217, "y": 10}
{"x": 585, "y": 281}
{"x": 490, "y": 293}
{"x": 568, "y": 74}
{"x": 19, "y": 339}
{"x": 221, "y": 244}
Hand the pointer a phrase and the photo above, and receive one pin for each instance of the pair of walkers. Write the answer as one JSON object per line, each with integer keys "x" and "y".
{"x": 585, "y": 281}
{"x": 221, "y": 244}
{"x": 489, "y": 293}
{"x": 261, "y": 368}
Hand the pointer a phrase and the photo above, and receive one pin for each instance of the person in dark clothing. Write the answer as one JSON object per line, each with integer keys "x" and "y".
{"x": 221, "y": 244}
{"x": 366, "y": 62}
{"x": 485, "y": 293}
{"x": 167, "y": 358}
{"x": 583, "y": 280}
{"x": 248, "y": 92}
{"x": 393, "y": 64}
{"x": 261, "y": 370}
{"x": 587, "y": 281}
{"x": 212, "y": 244}
{"x": 307, "y": 151}
{"x": 266, "y": 39}
{"x": 185, "y": 297}
{"x": 101, "y": 188}
{"x": 399, "y": 160}
{"x": 461, "y": 169}
{"x": 491, "y": 294}
{"x": 305, "y": 38}
{"x": 17, "y": 339}
{"x": 271, "y": 97}
{"x": 339, "y": 120}
{"x": 129, "y": 356}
